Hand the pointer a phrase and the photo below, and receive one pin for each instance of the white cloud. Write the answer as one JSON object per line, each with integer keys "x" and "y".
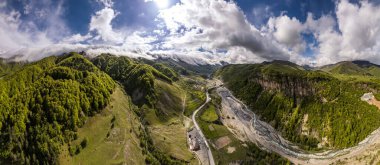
{"x": 106, "y": 3}
{"x": 288, "y": 31}
{"x": 216, "y": 24}
{"x": 76, "y": 38}
{"x": 190, "y": 57}
{"x": 13, "y": 37}
{"x": 196, "y": 30}
{"x": 358, "y": 36}
{"x": 354, "y": 35}
{"x": 101, "y": 23}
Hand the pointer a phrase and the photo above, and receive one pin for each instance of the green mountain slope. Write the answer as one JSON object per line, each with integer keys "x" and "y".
{"x": 112, "y": 136}
{"x": 44, "y": 103}
{"x": 45, "y": 108}
{"x": 358, "y": 68}
{"x": 138, "y": 79}
{"x": 159, "y": 94}
{"x": 9, "y": 67}
{"x": 311, "y": 108}
{"x": 185, "y": 68}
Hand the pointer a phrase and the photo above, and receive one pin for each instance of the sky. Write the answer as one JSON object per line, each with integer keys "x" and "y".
{"x": 306, "y": 32}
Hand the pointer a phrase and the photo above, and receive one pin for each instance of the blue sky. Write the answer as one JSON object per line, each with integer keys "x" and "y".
{"x": 198, "y": 31}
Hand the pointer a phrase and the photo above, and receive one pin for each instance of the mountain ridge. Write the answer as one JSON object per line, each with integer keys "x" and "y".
{"x": 284, "y": 94}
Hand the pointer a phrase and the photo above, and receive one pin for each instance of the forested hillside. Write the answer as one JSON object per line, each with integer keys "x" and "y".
{"x": 311, "y": 108}
{"x": 6, "y": 66}
{"x": 355, "y": 68}
{"x": 138, "y": 79}
{"x": 43, "y": 103}
{"x": 158, "y": 92}
{"x": 185, "y": 68}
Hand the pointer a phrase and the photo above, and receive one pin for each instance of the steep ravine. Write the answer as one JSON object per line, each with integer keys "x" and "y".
{"x": 248, "y": 127}
{"x": 309, "y": 108}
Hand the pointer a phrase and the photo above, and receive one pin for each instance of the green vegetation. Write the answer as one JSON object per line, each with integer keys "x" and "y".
{"x": 257, "y": 156}
{"x": 164, "y": 123}
{"x": 354, "y": 68}
{"x": 195, "y": 95}
{"x": 185, "y": 68}
{"x": 9, "y": 67}
{"x": 305, "y": 106}
{"x": 160, "y": 100}
{"x": 209, "y": 114}
{"x": 347, "y": 68}
{"x": 234, "y": 150}
{"x": 166, "y": 71}
{"x": 106, "y": 145}
{"x": 44, "y": 103}
{"x": 138, "y": 79}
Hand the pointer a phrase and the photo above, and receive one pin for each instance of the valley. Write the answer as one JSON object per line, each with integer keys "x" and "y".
{"x": 189, "y": 82}
{"x": 136, "y": 111}
{"x": 247, "y": 127}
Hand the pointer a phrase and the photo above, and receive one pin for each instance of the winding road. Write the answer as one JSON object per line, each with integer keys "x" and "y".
{"x": 209, "y": 153}
{"x": 246, "y": 126}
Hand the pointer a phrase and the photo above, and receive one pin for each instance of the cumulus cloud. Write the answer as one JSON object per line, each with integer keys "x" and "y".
{"x": 13, "y": 37}
{"x": 354, "y": 34}
{"x": 23, "y": 40}
{"x": 101, "y": 23}
{"x": 216, "y": 24}
{"x": 19, "y": 33}
{"x": 358, "y": 36}
{"x": 199, "y": 32}
{"x": 288, "y": 31}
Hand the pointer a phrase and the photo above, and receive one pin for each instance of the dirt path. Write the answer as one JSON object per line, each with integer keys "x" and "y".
{"x": 246, "y": 126}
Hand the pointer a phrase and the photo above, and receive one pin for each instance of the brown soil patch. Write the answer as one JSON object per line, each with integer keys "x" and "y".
{"x": 222, "y": 142}
{"x": 374, "y": 102}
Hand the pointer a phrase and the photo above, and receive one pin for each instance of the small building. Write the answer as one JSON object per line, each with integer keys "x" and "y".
{"x": 193, "y": 143}
{"x": 367, "y": 97}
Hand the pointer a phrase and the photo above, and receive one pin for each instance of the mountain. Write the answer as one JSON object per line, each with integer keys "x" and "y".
{"x": 360, "y": 68}
{"x": 77, "y": 109}
{"x": 48, "y": 110}
{"x": 9, "y": 66}
{"x": 43, "y": 103}
{"x": 311, "y": 108}
{"x": 186, "y": 68}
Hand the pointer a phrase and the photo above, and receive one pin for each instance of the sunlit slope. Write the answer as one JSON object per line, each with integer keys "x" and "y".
{"x": 43, "y": 103}
{"x": 112, "y": 136}
{"x": 311, "y": 108}
{"x": 358, "y": 68}
{"x": 159, "y": 93}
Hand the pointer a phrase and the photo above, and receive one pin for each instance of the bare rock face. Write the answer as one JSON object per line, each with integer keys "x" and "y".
{"x": 293, "y": 87}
